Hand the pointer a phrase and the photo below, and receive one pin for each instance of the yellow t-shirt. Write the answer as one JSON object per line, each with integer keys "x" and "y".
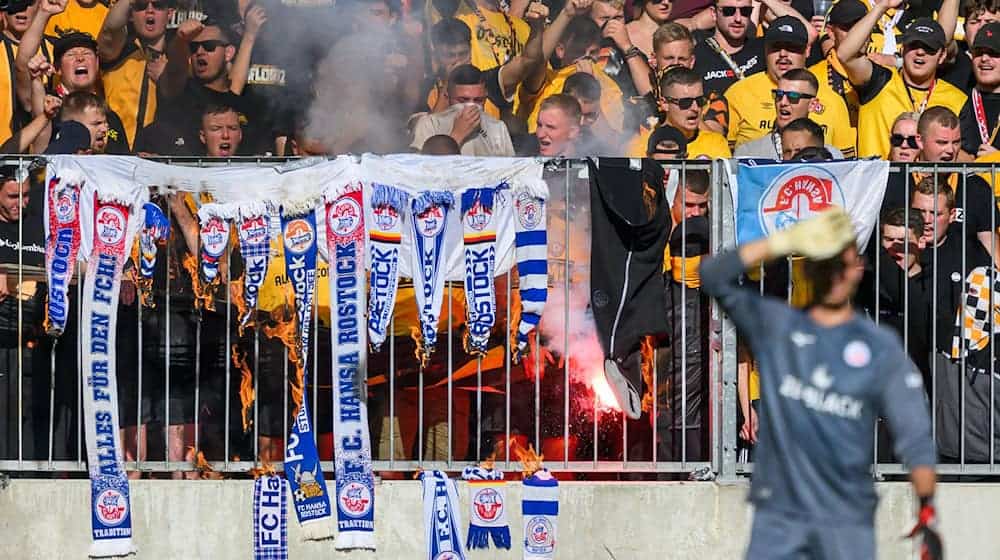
{"x": 496, "y": 37}
{"x": 832, "y": 77}
{"x": 87, "y": 19}
{"x": 993, "y": 181}
{"x": 751, "y": 113}
{"x": 885, "y": 96}
{"x": 705, "y": 145}
{"x": 527, "y": 105}
{"x": 129, "y": 91}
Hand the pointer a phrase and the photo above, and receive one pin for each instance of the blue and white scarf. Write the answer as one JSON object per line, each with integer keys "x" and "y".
{"x": 442, "y": 521}
{"x": 270, "y": 518}
{"x": 254, "y": 233}
{"x": 388, "y": 206}
{"x": 155, "y": 230}
{"x": 345, "y": 235}
{"x": 430, "y": 220}
{"x": 487, "y": 508}
{"x": 531, "y": 243}
{"x": 214, "y": 241}
{"x": 302, "y": 468}
{"x": 111, "y": 516}
{"x": 479, "y": 234}
{"x": 540, "y": 509}
{"x": 62, "y": 245}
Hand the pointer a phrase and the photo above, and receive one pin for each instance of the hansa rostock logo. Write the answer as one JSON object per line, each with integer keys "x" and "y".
{"x": 344, "y": 216}
{"x": 298, "y": 235}
{"x": 110, "y": 223}
{"x": 797, "y": 195}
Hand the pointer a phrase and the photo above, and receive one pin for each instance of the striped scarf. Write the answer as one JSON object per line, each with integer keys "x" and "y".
{"x": 270, "y": 518}
{"x": 540, "y": 509}
{"x": 531, "y": 243}
{"x": 388, "y": 206}
{"x": 441, "y": 517}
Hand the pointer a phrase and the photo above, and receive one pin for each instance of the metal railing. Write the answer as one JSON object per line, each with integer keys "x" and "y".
{"x": 452, "y": 412}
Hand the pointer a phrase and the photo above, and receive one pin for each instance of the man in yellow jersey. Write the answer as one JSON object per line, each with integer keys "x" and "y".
{"x": 80, "y": 15}
{"x": 131, "y": 47}
{"x": 654, "y": 14}
{"x": 683, "y": 95}
{"x": 496, "y": 36}
{"x": 885, "y": 93}
{"x": 751, "y": 101}
{"x": 829, "y": 71}
{"x": 795, "y": 94}
{"x": 17, "y": 18}
{"x": 981, "y": 111}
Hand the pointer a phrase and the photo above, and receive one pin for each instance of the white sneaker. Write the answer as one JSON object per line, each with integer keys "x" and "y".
{"x": 628, "y": 396}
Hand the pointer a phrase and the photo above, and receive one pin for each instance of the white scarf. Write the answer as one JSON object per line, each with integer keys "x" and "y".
{"x": 442, "y": 520}
{"x": 388, "y": 206}
{"x": 430, "y": 221}
{"x": 480, "y": 236}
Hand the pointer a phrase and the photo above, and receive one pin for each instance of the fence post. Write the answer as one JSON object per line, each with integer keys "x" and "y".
{"x": 723, "y": 343}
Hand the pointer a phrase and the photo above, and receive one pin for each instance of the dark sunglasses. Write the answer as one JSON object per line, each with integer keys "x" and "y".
{"x": 793, "y": 96}
{"x": 685, "y": 102}
{"x": 730, "y": 11}
{"x": 896, "y": 140}
{"x": 142, "y": 6}
{"x": 209, "y": 45}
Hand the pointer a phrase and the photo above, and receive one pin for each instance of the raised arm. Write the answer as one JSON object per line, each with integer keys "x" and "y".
{"x": 519, "y": 68}
{"x": 552, "y": 36}
{"x": 175, "y": 75}
{"x": 851, "y": 49}
{"x": 114, "y": 31}
{"x": 779, "y": 9}
{"x": 636, "y": 59}
{"x": 254, "y": 19}
{"x": 948, "y": 19}
{"x": 31, "y": 41}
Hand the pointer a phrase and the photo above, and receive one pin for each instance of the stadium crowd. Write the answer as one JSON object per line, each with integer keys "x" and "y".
{"x": 671, "y": 80}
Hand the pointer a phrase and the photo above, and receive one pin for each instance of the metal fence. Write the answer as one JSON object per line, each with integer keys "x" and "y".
{"x": 189, "y": 372}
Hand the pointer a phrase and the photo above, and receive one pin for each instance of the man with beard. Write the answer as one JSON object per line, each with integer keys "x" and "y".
{"x": 981, "y": 111}
{"x": 752, "y": 101}
{"x": 884, "y": 93}
{"x": 131, "y": 48}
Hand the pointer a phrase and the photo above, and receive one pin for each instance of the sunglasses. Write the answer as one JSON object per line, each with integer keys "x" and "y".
{"x": 896, "y": 140}
{"x": 157, "y": 5}
{"x": 793, "y": 96}
{"x": 685, "y": 102}
{"x": 730, "y": 11}
{"x": 209, "y": 45}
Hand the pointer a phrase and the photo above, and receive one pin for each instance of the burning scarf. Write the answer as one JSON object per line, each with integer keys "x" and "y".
{"x": 111, "y": 517}
{"x": 531, "y": 243}
{"x": 388, "y": 207}
{"x": 441, "y": 517}
{"x": 62, "y": 243}
{"x": 479, "y": 236}
{"x": 487, "y": 508}
{"x": 302, "y": 469}
{"x": 345, "y": 235}
{"x": 430, "y": 220}
{"x": 270, "y": 518}
{"x": 253, "y": 231}
{"x": 155, "y": 230}
{"x": 214, "y": 240}
{"x": 540, "y": 509}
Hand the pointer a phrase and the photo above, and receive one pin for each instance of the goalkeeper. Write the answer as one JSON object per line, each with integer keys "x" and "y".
{"x": 826, "y": 375}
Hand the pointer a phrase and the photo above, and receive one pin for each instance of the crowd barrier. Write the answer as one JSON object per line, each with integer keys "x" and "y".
{"x": 452, "y": 412}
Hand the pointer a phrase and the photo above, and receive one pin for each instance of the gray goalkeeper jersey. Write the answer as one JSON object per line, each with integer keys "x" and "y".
{"x": 821, "y": 391}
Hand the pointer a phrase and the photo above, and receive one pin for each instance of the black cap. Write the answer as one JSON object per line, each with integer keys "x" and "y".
{"x": 70, "y": 138}
{"x": 8, "y": 172}
{"x": 663, "y": 134}
{"x": 846, "y": 13}
{"x": 988, "y": 37}
{"x": 17, "y": 6}
{"x": 925, "y": 31}
{"x": 72, "y": 40}
{"x": 786, "y": 29}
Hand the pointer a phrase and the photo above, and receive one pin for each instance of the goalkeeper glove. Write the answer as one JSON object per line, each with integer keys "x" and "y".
{"x": 818, "y": 238}
{"x": 926, "y": 528}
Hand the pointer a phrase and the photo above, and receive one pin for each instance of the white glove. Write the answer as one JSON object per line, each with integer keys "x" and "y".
{"x": 818, "y": 238}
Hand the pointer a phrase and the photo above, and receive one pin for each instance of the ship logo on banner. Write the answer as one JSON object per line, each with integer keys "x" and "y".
{"x": 430, "y": 221}
{"x": 774, "y": 196}
{"x": 298, "y": 236}
{"x": 356, "y": 499}
{"x": 111, "y": 507}
{"x": 110, "y": 225}
{"x": 345, "y": 216}
{"x": 528, "y": 210}
{"x": 488, "y": 504}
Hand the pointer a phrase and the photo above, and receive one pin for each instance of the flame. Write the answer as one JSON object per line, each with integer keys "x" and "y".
{"x": 203, "y": 298}
{"x": 531, "y": 462}
{"x": 419, "y": 352}
{"x": 202, "y": 466}
{"x": 246, "y": 385}
{"x": 647, "y": 372}
{"x": 265, "y": 469}
{"x": 284, "y": 330}
{"x": 236, "y": 296}
{"x": 605, "y": 396}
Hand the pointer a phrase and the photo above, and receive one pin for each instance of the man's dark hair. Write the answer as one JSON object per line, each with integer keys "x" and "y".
{"x": 440, "y": 145}
{"x": 217, "y": 109}
{"x": 976, "y": 7}
{"x": 813, "y": 153}
{"x": 679, "y": 75}
{"x": 581, "y": 34}
{"x": 582, "y": 86}
{"x": 898, "y": 217}
{"x": 465, "y": 75}
{"x": 927, "y": 187}
{"x": 696, "y": 180}
{"x": 451, "y": 31}
{"x": 805, "y": 124}
{"x": 79, "y": 101}
{"x": 224, "y": 34}
{"x": 801, "y": 75}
